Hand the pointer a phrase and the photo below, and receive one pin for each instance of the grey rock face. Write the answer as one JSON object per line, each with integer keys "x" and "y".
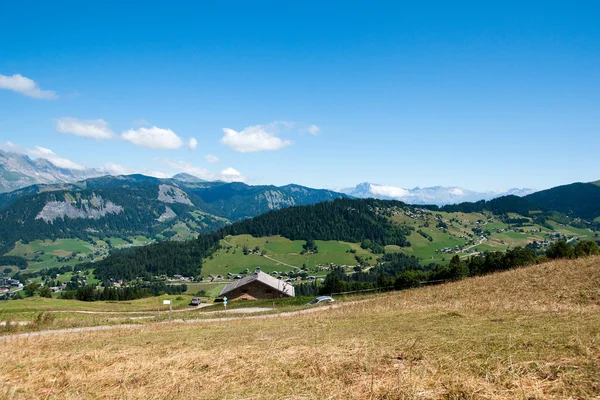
{"x": 167, "y": 215}
{"x": 94, "y": 208}
{"x": 171, "y": 194}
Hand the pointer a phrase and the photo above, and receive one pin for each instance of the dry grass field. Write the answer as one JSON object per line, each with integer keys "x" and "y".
{"x": 531, "y": 333}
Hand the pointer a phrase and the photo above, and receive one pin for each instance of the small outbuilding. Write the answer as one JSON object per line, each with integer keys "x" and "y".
{"x": 257, "y": 286}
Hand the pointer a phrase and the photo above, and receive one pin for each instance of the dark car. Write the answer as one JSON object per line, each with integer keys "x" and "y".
{"x": 195, "y": 301}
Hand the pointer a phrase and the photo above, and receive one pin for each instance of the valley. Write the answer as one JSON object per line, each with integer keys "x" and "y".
{"x": 299, "y": 200}
{"x": 432, "y": 234}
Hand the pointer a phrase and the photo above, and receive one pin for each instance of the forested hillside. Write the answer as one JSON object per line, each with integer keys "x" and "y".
{"x": 167, "y": 258}
{"x": 580, "y": 200}
{"x": 500, "y": 205}
{"x": 97, "y": 213}
{"x": 237, "y": 201}
{"x": 577, "y": 200}
{"x": 342, "y": 219}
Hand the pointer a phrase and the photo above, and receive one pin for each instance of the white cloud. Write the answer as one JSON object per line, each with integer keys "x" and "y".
{"x": 116, "y": 169}
{"x": 20, "y": 84}
{"x": 9, "y": 146}
{"x": 95, "y": 129}
{"x": 231, "y": 175}
{"x": 227, "y": 175}
{"x": 255, "y": 138}
{"x": 192, "y": 144}
{"x": 313, "y": 130}
{"x": 141, "y": 122}
{"x": 41, "y": 152}
{"x": 157, "y": 174}
{"x": 154, "y": 138}
{"x": 209, "y": 158}
{"x": 389, "y": 191}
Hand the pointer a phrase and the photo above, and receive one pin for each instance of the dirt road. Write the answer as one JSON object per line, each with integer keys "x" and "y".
{"x": 178, "y": 321}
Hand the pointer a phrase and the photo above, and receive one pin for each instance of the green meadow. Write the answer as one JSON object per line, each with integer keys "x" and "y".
{"x": 280, "y": 254}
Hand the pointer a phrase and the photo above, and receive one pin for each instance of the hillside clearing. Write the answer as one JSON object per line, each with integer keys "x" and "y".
{"x": 282, "y": 255}
{"x": 528, "y": 333}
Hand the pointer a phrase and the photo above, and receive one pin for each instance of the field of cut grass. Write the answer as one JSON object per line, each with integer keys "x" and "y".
{"x": 283, "y": 255}
{"x": 426, "y": 250}
{"x": 570, "y": 230}
{"x": 45, "y": 253}
{"x": 531, "y": 333}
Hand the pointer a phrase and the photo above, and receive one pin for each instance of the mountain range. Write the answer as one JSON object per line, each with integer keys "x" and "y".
{"x": 376, "y": 224}
{"x": 126, "y": 206}
{"x": 18, "y": 171}
{"x": 438, "y": 195}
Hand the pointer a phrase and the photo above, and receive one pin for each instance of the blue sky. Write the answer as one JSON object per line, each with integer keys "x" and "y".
{"x": 481, "y": 96}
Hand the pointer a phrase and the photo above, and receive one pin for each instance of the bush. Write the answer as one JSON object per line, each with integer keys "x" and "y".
{"x": 586, "y": 248}
{"x": 560, "y": 249}
{"x": 408, "y": 279}
{"x": 45, "y": 291}
{"x": 31, "y": 289}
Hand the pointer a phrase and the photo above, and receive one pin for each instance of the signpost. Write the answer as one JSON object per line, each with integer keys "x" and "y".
{"x": 225, "y": 303}
{"x": 170, "y": 308}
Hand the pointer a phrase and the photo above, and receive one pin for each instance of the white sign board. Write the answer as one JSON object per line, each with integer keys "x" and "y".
{"x": 166, "y": 301}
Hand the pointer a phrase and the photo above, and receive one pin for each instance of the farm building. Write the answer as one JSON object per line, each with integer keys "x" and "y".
{"x": 257, "y": 286}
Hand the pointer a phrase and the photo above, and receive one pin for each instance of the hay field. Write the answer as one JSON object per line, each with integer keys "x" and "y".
{"x": 531, "y": 333}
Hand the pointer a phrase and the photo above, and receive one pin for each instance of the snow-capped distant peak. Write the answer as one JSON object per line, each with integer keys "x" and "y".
{"x": 438, "y": 195}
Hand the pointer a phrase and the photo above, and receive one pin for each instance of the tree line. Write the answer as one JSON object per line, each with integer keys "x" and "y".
{"x": 134, "y": 292}
{"x": 163, "y": 258}
{"x": 400, "y": 271}
{"x": 341, "y": 219}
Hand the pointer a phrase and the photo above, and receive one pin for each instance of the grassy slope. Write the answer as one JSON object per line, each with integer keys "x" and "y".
{"x": 36, "y": 304}
{"x": 231, "y": 257}
{"x": 529, "y": 333}
{"x": 461, "y": 224}
{"x": 65, "y": 247}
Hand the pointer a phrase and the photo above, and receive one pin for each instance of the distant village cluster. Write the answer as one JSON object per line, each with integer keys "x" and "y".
{"x": 9, "y": 286}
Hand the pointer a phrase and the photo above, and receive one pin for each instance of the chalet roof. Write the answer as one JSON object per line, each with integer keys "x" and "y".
{"x": 261, "y": 277}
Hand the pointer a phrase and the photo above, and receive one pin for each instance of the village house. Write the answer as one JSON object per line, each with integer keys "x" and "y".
{"x": 257, "y": 286}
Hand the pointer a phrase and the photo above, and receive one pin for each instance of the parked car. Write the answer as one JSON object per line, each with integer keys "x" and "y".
{"x": 321, "y": 299}
{"x": 195, "y": 301}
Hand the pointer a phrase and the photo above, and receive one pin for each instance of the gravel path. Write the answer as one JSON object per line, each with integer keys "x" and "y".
{"x": 134, "y": 312}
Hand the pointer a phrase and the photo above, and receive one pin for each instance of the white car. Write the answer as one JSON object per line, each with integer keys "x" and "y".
{"x": 321, "y": 299}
